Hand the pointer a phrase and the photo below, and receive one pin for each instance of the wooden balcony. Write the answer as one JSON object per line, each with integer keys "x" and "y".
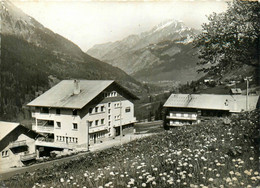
{"x": 27, "y": 157}
{"x": 17, "y": 144}
{"x": 182, "y": 117}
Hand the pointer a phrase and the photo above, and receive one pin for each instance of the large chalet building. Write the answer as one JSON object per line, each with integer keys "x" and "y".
{"x": 17, "y": 145}
{"x": 79, "y": 113}
{"x": 181, "y": 109}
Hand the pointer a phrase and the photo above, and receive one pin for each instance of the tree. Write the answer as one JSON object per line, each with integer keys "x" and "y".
{"x": 231, "y": 38}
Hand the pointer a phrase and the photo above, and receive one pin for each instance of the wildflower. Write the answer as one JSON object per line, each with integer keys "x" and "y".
{"x": 231, "y": 173}
{"x": 178, "y": 180}
{"x": 218, "y": 175}
{"x": 256, "y": 173}
{"x": 253, "y": 178}
{"x": 210, "y": 179}
{"x": 228, "y": 180}
{"x": 143, "y": 184}
{"x": 61, "y": 180}
{"x": 237, "y": 174}
{"x": 234, "y": 179}
{"x": 251, "y": 158}
{"x": 154, "y": 183}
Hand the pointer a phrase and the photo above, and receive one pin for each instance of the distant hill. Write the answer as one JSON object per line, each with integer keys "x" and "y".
{"x": 163, "y": 53}
{"x": 33, "y": 58}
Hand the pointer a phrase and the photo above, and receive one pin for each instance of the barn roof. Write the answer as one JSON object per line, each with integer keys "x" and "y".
{"x": 6, "y": 128}
{"x": 62, "y": 95}
{"x": 232, "y": 103}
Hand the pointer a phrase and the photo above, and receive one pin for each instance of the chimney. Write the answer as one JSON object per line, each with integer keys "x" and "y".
{"x": 76, "y": 87}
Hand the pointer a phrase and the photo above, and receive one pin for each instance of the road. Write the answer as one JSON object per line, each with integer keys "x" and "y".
{"x": 97, "y": 147}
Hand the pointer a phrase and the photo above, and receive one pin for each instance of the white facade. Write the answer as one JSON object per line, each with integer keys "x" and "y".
{"x": 71, "y": 128}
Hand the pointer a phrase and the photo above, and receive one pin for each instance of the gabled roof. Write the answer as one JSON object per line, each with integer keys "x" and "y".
{"x": 61, "y": 95}
{"x": 6, "y": 128}
{"x": 232, "y": 103}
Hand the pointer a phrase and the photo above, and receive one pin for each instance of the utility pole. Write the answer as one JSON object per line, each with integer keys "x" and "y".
{"x": 121, "y": 129}
{"x": 87, "y": 133}
{"x": 247, "y": 79}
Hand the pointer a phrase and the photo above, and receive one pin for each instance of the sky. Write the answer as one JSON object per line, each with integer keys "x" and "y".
{"x": 87, "y": 23}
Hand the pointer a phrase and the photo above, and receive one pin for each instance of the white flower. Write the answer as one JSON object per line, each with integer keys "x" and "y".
{"x": 61, "y": 180}
{"x": 143, "y": 184}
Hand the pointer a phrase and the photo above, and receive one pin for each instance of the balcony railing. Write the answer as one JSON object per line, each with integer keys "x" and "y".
{"x": 182, "y": 117}
{"x": 56, "y": 144}
{"x": 43, "y": 128}
{"x": 98, "y": 128}
{"x": 27, "y": 157}
{"x": 17, "y": 144}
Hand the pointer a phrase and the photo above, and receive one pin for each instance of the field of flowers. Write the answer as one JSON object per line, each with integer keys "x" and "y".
{"x": 212, "y": 154}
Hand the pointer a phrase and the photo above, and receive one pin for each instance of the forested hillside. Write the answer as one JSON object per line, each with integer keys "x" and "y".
{"x": 33, "y": 58}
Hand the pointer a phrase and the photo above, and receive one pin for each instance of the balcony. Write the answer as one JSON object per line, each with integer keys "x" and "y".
{"x": 46, "y": 143}
{"x": 27, "y": 157}
{"x": 98, "y": 128}
{"x": 182, "y": 117}
{"x": 44, "y": 129}
{"x": 17, "y": 144}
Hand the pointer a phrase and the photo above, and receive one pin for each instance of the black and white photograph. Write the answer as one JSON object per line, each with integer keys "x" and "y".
{"x": 129, "y": 93}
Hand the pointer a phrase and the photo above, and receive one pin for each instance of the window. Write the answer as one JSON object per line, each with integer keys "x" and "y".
{"x": 45, "y": 110}
{"x": 102, "y": 108}
{"x": 109, "y": 111}
{"x": 75, "y": 126}
{"x": 109, "y": 104}
{"x": 5, "y": 153}
{"x": 127, "y": 109}
{"x": 109, "y": 117}
{"x": 90, "y": 123}
{"x": 50, "y": 123}
{"x": 57, "y": 111}
{"x": 75, "y": 112}
{"x": 109, "y": 123}
{"x": 102, "y": 121}
{"x": 96, "y": 109}
{"x": 96, "y": 122}
{"x": 58, "y": 124}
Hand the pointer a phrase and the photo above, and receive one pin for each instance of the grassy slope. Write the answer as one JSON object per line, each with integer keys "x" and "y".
{"x": 211, "y": 154}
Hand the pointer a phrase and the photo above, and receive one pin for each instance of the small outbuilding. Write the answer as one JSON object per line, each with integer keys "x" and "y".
{"x": 17, "y": 145}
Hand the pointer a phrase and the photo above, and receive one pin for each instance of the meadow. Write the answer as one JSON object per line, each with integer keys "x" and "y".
{"x": 211, "y": 154}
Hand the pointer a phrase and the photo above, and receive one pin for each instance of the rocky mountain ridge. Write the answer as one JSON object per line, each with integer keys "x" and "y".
{"x": 166, "y": 46}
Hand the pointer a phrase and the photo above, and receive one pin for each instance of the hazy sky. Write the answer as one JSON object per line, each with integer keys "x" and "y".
{"x": 87, "y": 23}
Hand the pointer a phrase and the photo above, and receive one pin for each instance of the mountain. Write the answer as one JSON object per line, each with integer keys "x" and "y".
{"x": 33, "y": 58}
{"x": 163, "y": 53}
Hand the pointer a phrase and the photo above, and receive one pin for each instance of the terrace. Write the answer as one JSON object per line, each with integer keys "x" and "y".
{"x": 27, "y": 157}
{"x": 17, "y": 144}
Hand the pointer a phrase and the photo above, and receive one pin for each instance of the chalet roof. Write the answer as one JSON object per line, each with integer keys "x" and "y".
{"x": 232, "y": 103}
{"x": 6, "y": 128}
{"x": 61, "y": 95}
{"x": 236, "y": 91}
